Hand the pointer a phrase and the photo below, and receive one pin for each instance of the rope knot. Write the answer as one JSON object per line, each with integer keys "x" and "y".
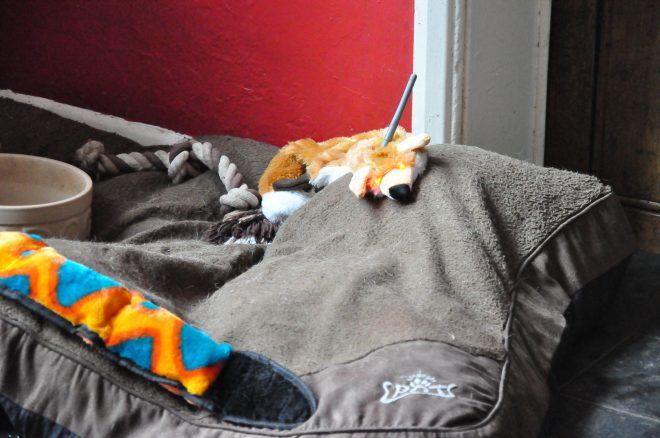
{"x": 240, "y": 198}
{"x": 183, "y": 163}
{"x": 88, "y": 156}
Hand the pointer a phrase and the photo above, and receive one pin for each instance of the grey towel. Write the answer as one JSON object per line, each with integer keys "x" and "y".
{"x": 345, "y": 276}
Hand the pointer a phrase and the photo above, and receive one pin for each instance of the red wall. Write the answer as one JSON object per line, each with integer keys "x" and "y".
{"x": 273, "y": 70}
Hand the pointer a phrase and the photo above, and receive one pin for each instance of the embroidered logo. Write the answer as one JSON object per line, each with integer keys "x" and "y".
{"x": 417, "y": 383}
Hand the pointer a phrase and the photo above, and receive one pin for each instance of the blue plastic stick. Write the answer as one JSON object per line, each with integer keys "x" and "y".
{"x": 399, "y": 110}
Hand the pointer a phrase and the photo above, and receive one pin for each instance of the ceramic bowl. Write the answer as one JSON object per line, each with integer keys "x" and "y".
{"x": 45, "y": 197}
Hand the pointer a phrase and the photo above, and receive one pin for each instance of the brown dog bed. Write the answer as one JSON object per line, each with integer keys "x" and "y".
{"x": 440, "y": 317}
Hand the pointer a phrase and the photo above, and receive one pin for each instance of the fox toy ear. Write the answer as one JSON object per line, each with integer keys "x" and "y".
{"x": 413, "y": 143}
{"x": 358, "y": 184}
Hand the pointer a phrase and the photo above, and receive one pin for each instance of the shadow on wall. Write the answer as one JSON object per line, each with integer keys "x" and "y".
{"x": 273, "y": 70}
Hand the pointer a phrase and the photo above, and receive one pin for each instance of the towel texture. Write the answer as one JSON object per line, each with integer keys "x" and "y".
{"x": 345, "y": 276}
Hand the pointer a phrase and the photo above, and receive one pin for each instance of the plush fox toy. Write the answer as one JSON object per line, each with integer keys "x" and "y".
{"x": 378, "y": 170}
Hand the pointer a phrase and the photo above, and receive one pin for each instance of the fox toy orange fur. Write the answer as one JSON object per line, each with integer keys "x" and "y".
{"x": 380, "y": 171}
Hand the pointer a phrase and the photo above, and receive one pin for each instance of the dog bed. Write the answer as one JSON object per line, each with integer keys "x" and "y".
{"x": 441, "y": 317}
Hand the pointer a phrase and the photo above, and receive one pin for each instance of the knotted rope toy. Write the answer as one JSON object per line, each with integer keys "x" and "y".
{"x": 183, "y": 161}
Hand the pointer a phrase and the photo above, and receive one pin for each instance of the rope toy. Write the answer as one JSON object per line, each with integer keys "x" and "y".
{"x": 91, "y": 157}
{"x": 183, "y": 161}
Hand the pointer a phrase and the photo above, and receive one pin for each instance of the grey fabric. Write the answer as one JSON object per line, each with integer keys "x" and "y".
{"x": 25, "y": 423}
{"x": 176, "y": 274}
{"x": 492, "y": 398}
{"x": 582, "y": 249}
{"x": 25, "y": 129}
{"x": 345, "y": 276}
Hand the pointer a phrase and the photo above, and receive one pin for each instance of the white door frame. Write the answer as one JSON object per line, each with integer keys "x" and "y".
{"x": 482, "y": 73}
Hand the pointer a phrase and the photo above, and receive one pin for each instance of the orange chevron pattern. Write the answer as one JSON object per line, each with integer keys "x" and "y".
{"x": 119, "y": 316}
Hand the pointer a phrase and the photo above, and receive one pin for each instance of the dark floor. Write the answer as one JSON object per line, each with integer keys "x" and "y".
{"x": 608, "y": 385}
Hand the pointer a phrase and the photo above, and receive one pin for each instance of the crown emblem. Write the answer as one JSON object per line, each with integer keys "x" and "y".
{"x": 418, "y": 383}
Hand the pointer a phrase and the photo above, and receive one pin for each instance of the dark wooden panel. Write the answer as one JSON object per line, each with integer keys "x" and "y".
{"x": 646, "y": 227}
{"x": 627, "y": 142}
{"x": 604, "y": 101}
{"x": 571, "y": 83}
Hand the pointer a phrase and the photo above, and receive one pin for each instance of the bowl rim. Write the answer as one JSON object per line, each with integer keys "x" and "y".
{"x": 70, "y": 201}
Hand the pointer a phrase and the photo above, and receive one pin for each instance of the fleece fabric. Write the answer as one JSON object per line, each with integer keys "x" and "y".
{"x": 109, "y": 315}
{"x": 344, "y": 276}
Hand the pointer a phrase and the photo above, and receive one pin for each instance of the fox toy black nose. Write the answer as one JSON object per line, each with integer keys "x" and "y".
{"x": 400, "y": 192}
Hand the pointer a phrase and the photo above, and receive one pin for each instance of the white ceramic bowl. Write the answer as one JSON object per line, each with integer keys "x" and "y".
{"x": 45, "y": 197}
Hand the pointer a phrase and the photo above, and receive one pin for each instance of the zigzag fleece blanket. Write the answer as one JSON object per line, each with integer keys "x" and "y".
{"x": 142, "y": 335}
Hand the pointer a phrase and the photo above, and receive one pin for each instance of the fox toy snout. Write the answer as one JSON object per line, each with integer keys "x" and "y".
{"x": 400, "y": 192}
{"x": 397, "y": 184}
